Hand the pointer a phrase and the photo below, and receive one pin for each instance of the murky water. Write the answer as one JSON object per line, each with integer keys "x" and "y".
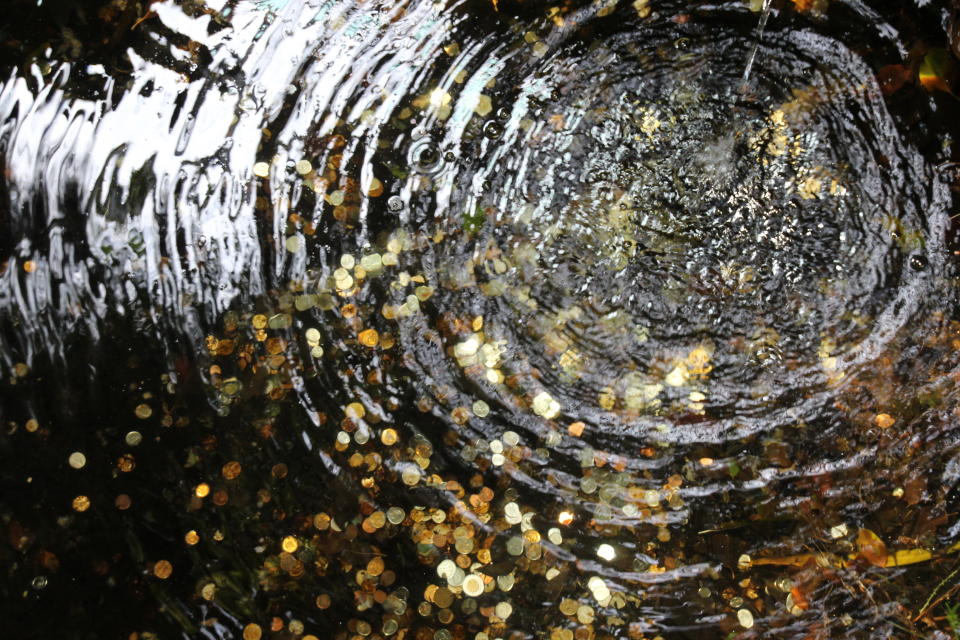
{"x": 482, "y": 320}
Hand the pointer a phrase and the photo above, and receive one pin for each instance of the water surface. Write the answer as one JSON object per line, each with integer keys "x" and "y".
{"x": 480, "y": 320}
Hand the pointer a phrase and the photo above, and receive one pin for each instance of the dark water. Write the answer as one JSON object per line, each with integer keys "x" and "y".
{"x": 447, "y": 320}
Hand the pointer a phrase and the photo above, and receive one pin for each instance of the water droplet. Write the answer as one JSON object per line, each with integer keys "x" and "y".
{"x": 395, "y": 204}
{"x": 39, "y": 582}
{"x": 918, "y": 262}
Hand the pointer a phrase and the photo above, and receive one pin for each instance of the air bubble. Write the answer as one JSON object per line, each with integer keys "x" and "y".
{"x": 425, "y": 156}
{"x": 492, "y": 129}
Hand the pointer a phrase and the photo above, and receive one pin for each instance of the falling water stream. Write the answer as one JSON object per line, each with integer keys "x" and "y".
{"x": 764, "y": 16}
{"x": 446, "y": 319}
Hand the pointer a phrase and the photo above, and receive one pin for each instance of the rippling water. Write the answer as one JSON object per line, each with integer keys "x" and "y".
{"x": 478, "y": 320}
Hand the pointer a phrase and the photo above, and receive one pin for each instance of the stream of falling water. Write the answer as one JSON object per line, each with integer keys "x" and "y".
{"x": 764, "y": 16}
{"x": 445, "y": 319}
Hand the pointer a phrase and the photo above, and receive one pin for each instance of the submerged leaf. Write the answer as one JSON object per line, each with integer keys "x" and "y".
{"x": 908, "y": 556}
{"x": 800, "y": 560}
{"x": 871, "y": 548}
{"x": 935, "y": 70}
{"x": 892, "y": 78}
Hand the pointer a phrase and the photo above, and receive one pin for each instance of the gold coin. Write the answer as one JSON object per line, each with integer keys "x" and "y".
{"x": 369, "y": 338}
{"x": 163, "y": 569}
{"x": 443, "y": 598}
{"x": 568, "y": 607}
{"x": 231, "y": 470}
{"x": 375, "y": 566}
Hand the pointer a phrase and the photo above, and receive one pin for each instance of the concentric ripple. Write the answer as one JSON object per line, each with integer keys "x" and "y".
{"x": 650, "y": 212}
{"x": 577, "y": 332}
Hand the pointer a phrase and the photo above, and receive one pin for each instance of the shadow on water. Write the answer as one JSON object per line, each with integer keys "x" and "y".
{"x": 479, "y": 320}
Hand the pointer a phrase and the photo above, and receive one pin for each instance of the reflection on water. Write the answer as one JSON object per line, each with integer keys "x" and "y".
{"x": 482, "y": 320}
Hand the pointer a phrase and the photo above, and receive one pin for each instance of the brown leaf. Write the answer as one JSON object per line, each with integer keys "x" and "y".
{"x": 913, "y": 490}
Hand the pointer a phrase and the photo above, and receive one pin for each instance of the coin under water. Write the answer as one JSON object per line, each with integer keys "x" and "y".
{"x": 469, "y": 318}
